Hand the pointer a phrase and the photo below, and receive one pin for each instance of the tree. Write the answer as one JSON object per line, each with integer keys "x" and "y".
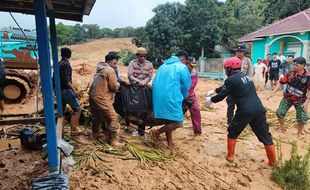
{"x": 105, "y": 33}
{"x": 92, "y": 30}
{"x": 202, "y": 29}
{"x": 64, "y": 34}
{"x": 280, "y": 9}
{"x": 162, "y": 35}
{"x": 78, "y": 34}
{"x": 239, "y": 17}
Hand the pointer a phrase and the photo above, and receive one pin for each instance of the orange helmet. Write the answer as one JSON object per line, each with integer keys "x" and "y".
{"x": 233, "y": 63}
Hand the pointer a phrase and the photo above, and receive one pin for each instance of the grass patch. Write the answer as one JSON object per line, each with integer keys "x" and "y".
{"x": 292, "y": 174}
{"x": 126, "y": 56}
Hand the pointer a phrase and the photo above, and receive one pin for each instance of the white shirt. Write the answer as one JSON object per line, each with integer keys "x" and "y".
{"x": 282, "y": 58}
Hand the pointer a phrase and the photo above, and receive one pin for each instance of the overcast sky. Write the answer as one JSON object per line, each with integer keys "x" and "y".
{"x": 110, "y": 14}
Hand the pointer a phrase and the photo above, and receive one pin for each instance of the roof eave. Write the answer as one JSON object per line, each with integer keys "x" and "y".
{"x": 74, "y": 15}
{"x": 283, "y": 33}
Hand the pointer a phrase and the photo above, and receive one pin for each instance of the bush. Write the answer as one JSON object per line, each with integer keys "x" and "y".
{"x": 126, "y": 56}
{"x": 294, "y": 173}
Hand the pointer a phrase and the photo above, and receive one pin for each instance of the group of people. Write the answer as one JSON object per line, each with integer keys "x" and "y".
{"x": 271, "y": 69}
{"x": 175, "y": 80}
{"x": 180, "y": 68}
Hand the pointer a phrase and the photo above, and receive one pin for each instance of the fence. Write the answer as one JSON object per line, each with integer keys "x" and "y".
{"x": 211, "y": 68}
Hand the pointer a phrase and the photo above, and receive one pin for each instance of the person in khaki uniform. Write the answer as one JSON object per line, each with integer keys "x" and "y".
{"x": 140, "y": 72}
{"x": 101, "y": 98}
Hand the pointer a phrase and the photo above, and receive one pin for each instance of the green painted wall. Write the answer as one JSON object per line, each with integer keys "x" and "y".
{"x": 305, "y": 36}
{"x": 259, "y": 45}
{"x": 258, "y": 50}
{"x": 275, "y": 47}
{"x": 290, "y": 40}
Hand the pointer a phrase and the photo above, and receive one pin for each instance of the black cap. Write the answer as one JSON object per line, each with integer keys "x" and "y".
{"x": 182, "y": 53}
{"x": 300, "y": 60}
{"x": 241, "y": 48}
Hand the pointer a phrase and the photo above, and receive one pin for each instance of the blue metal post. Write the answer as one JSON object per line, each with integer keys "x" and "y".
{"x": 47, "y": 90}
{"x": 55, "y": 64}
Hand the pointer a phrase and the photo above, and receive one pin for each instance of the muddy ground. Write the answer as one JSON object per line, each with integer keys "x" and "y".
{"x": 201, "y": 162}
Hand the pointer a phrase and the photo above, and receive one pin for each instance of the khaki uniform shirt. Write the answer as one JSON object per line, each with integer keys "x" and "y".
{"x": 247, "y": 67}
{"x": 138, "y": 72}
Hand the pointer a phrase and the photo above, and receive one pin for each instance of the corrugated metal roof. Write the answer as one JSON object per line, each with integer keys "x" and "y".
{"x": 63, "y": 9}
{"x": 299, "y": 22}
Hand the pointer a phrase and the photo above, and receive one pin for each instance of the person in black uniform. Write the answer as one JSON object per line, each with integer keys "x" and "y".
{"x": 249, "y": 109}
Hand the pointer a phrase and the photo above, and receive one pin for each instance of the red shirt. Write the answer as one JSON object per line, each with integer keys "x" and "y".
{"x": 296, "y": 87}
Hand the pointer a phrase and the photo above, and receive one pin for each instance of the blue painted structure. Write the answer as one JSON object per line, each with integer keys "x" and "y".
{"x": 47, "y": 88}
{"x": 55, "y": 64}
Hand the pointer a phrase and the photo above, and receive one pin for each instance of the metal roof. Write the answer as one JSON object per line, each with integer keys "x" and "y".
{"x": 63, "y": 9}
{"x": 299, "y": 22}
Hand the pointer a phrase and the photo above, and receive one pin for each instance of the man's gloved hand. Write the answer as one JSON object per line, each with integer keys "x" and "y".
{"x": 210, "y": 93}
{"x": 208, "y": 101}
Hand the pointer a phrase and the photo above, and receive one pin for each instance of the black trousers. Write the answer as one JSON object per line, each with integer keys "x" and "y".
{"x": 258, "y": 124}
{"x": 230, "y": 109}
{"x": 266, "y": 77}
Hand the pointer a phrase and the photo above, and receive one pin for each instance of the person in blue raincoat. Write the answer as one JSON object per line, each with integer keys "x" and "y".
{"x": 170, "y": 86}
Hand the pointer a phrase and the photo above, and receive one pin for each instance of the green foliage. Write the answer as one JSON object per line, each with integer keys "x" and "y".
{"x": 162, "y": 34}
{"x": 64, "y": 34}
{"x": 68, "y": 35}
{"x": 239, "y": 17}
{"x": 202, "y": 30}
{"x": 279, "y": 9}
{"x": 293, "y": 173}
{"x": 126, "y": 56}
{"x": 92, "y": 31}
